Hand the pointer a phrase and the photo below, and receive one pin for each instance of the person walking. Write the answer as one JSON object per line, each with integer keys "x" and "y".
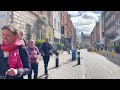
{"x": 14, "y": 57}
{"x": 46, "y": 51}
{"x": 33, "y": 53}
{"x": 21, "y": 38}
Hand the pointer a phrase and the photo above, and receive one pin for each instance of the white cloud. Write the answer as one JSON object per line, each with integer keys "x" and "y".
{"x": 90, "y": 15}
{"x": 84, "y": 20}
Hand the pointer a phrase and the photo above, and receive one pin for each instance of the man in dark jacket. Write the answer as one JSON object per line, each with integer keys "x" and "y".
{"x": 46, "y": 52}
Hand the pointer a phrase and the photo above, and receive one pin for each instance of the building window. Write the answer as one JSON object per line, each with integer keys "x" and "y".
{"x": 61, "y": 15}
{"x": 28, "y": 29}
{"x": 62, "y": 30}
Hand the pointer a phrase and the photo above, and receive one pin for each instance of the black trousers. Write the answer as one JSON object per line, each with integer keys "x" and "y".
{"x": 34, "y": 67}
{"x": 46, "y": 61}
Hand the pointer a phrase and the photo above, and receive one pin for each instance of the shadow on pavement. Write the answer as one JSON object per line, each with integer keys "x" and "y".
{"x": 40, "y": 77}
{"x": 43, "y": 77}
{"x": 75, "y": 65}
{"x": 52, "y": 68}
{"x": 113, "y": 60}
{"x": 68, "y": 61}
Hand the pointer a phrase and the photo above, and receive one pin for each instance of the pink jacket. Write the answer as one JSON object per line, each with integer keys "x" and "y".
{"x": 14, "y": 59}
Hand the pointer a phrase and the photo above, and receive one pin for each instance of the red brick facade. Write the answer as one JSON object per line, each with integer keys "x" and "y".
{"x": 63, "y": 23}
{"x": 95, "y": 34}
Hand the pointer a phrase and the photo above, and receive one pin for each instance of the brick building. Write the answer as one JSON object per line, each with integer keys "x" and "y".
{"x": 85, "y": 40}
{"x": 97, "y": 32}
{"x": 63, "y": 24}
{"x": 92, "y": 38}
{"x": 95, "y": 35}
{"x": 67, "y": 28}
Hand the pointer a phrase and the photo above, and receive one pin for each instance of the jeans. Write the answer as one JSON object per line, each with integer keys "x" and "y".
{"x": 46, "y": 61}
{"x": 34, "y": 67}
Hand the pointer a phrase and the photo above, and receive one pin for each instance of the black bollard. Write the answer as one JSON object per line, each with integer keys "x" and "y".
{"x": 78, "y": 56}
{"x": 57, "y": 59}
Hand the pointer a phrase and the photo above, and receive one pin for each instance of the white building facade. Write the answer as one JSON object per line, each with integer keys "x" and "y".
{"x": 26, "y": 20}
{"x": 4, "y": 19}
{"x": 56, "y": 26}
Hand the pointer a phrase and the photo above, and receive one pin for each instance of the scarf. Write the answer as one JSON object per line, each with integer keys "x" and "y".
{"x": 14, "y": 59}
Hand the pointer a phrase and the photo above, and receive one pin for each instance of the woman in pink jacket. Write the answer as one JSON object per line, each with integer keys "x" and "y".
{"x": 14, "y": 58}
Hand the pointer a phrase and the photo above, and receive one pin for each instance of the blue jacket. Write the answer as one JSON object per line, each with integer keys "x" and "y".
{"x": 21, "y": 72}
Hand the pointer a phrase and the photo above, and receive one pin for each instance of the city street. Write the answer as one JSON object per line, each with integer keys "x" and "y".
{"x": 99, "y": 67}
{"x": 97, "y": 31}
{"x": 93, "y": 66}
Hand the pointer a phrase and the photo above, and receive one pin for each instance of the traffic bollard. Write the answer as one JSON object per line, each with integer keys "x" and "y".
{"x": 78, "y": 56}
{"x": 57, "y": 59}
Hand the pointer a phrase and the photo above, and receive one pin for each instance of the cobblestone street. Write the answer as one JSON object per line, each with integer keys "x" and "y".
{"x": 92, "y": 66}
{"x": 100, "y": 67}
{"x": 66, "y": 69}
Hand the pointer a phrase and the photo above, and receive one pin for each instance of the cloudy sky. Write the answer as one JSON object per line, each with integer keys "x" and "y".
{"x": 84, "y": 20}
